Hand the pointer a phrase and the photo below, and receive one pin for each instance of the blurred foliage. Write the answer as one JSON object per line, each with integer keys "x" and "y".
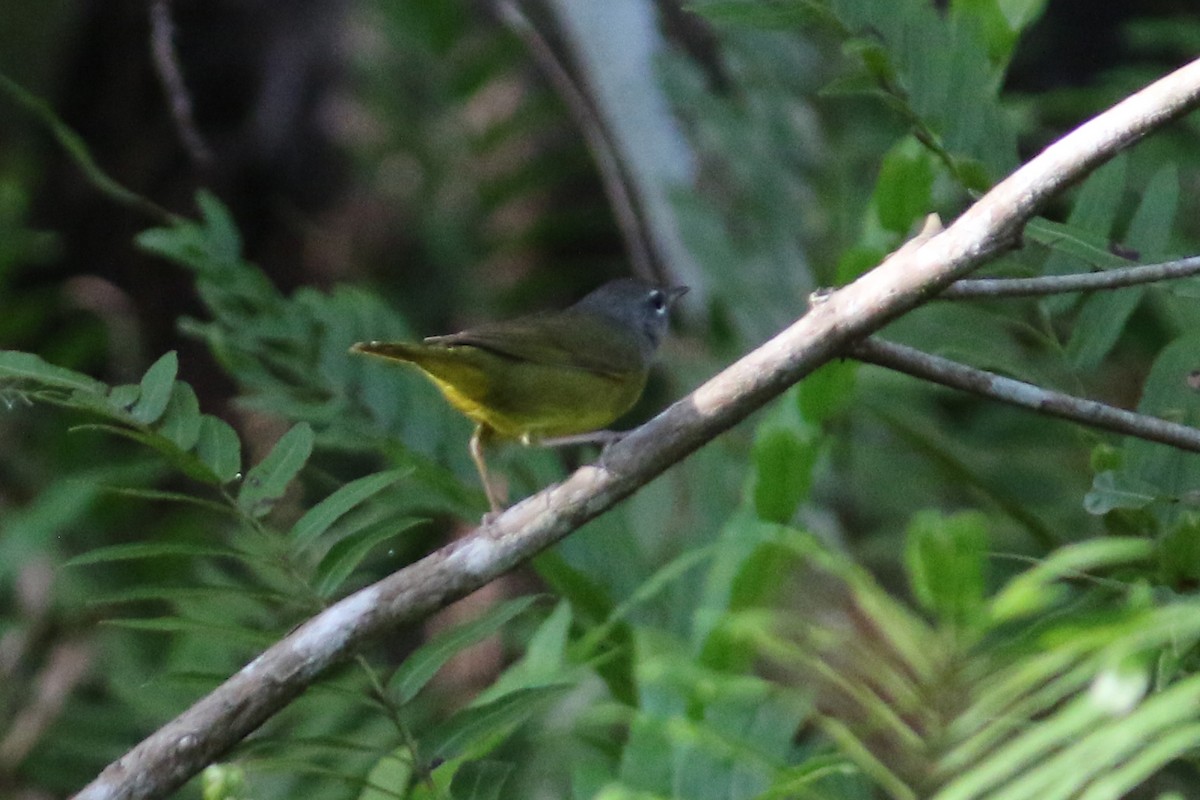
{"x": 873, "y": 588}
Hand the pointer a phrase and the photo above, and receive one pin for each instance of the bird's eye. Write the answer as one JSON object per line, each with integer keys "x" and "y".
{"x": 658, "y": 300}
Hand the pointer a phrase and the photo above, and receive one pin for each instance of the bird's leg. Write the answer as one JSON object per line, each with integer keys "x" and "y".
{"x": 603, "y": 438}
{"x": 478, "y": 441}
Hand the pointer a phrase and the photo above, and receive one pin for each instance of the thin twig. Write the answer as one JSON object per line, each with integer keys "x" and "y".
{"x": 218, "y": 721}
{"x": 166, "y": 63}
{"x": 612, "y": 176}
{"x": 78, "y": 151}
{"x": 1083, "y": 282}
{"x": 1024, "y": 395}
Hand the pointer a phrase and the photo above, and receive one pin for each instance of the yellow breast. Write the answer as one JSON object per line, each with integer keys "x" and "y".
{"x": 518, "y": 398}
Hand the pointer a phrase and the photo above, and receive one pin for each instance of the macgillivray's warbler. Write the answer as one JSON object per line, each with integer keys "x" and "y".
{"x": 546, "y": 378}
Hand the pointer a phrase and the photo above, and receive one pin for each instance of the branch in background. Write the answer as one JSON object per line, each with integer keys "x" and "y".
{"x": 67, "y": 665}
{"x": 218, "y": 721}
{"x": 1061, "y": 284}
{"x": 612, "y": 176}
{"x": 166, "y": 63}
{"x": 1024, "y": 395}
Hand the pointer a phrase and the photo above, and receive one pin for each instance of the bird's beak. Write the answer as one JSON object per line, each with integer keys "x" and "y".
{"x": 674, "y": 293}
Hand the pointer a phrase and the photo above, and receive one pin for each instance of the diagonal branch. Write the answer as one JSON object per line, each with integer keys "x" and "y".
{"x": 1023, "y": 395}
{"x": 1083, "y": 282}
{"x": 218, "y": 721}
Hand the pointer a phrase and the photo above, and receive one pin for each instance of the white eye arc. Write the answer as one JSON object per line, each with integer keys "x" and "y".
{"x": 658, "y": 301}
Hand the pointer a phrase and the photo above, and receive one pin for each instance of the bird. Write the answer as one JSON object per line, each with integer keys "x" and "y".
{"x": 551, "y": 378}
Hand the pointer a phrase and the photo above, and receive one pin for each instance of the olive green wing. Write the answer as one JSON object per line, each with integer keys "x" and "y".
{"x": 561, "y": 339}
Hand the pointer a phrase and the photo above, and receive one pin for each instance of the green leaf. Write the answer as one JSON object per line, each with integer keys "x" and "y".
{"x": 224, "y": 241}
{"x": 318, "y": 518}
{"x": 1170, "y": 475}
{"x": 122, "y": 398}
{"x": 182, "y": 242}
{"x": 936, "y": 74}
{"x": 170, "y": 497}
{"x": 266, "y": 482}
{"x": 590, "y": 599}
{"x": 1021, "y": 13}
{"x": 1150, "y": 229}
{"x": 646, "y": 758}
{"x": 226, "y": 633}
{"x": 38, "y": 525}
{"x": 1113, "y": 489}
{"x": 856, "y": 261}
{"x": 783, "y": 472}
{"x": 1179, "y": 553}
{"x": 1100, "y": 323}
{"x": 903, "y": 191}
{"x": 142, "y": 550}
{"x": 181, "y": 421}
{"x": 345, "y": 556}
{"x": 651, "y": 589}
{"x": 480, "y": 780}
{"x": 786, "y": 448}
{"x": 420, "y": 667}
{"x": 186, "y": 462}
{"x": 786, "y": 15}
{"x": 994, "y": 26}
{"x": 827, "y": 391}
{"x": 770, "y": 565}
{"x": 1034, "y": 590}
{"x": 545, "y": 659}
{"x": 1074, "y": 247}
{"x": 1085, "y": 237}
{"x": 156, "y": 389}
{"x": 476, "y": 730}
{"x": 390, "y": 777}
{"x": 945, "y": 559}
{"x": 175, "y": 594}
{"x": 223, "y": 782}
{"x": 15, "y": 365}
{"x": 1091, "y": 744}
{"x": 1105, "y": 314}
{"x": 219, "y": 448}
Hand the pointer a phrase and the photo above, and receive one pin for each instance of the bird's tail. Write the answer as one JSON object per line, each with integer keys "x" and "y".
{"x": 395, "y": 351}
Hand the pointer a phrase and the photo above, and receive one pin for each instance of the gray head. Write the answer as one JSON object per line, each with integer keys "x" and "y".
{"x": 640, "y": 307}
